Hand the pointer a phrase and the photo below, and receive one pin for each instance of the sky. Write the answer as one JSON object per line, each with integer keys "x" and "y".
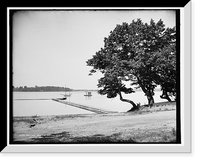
{"x": 50, "y": 48}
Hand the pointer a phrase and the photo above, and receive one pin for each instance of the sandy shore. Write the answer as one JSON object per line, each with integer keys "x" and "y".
{"x": 156, "y": 124}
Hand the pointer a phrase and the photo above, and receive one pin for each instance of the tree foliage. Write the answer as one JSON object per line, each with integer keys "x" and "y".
{"x": 142, "y": 53}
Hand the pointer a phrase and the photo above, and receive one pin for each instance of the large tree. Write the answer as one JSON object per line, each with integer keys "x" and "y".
{"x": 133, "y": 52}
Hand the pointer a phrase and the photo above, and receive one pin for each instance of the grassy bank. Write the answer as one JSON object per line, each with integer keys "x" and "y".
{"x": 147, "y": 125}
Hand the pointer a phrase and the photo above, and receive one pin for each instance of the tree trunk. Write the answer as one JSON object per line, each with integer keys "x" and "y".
{"x": 150, "y": 99}
{"x": 134, "y": 106}
{"x": 149, "y": 95}
{"x": 165, "y": 96}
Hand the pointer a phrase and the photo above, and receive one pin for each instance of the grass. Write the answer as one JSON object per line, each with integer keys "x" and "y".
{"x": 139, "y": 136}
{"x": 65, "y": 137}
{"x": 153, "y": 136}
{"x": 166, "y": 106}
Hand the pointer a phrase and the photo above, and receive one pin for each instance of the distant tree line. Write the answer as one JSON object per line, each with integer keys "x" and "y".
{"x": 40, "y": 89}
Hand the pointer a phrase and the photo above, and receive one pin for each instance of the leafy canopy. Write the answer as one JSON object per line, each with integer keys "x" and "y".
{"x": 142, "y": 53}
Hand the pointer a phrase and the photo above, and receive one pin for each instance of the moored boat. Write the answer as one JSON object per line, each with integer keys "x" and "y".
{"x": 88, "y": 94}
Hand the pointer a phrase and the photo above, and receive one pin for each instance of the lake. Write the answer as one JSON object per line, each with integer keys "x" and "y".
{"x": 49, "y": 107}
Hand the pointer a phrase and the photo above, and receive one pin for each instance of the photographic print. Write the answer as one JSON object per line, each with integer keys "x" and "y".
{"x": 95, "y": 76}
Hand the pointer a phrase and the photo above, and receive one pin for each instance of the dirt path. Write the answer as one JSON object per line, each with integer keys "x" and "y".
{"x": 147, "y": 127}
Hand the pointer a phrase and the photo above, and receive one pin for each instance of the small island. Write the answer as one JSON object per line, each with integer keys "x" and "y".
{"x": 49, "y": 89}
{"x": 41, "y": 89}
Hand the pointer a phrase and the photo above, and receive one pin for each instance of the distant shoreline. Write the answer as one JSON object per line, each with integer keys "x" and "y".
{"x": 81, "y": 90}
{"x": 60, "y": 91}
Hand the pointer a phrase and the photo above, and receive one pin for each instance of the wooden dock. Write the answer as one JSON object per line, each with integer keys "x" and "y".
{"x": 88, "y": 108}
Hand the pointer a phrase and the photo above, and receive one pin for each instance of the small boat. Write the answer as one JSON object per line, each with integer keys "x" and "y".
{"x": 88, "y": 94}
{"x": 66, "y": 95}
{"x": 64, "y": 98}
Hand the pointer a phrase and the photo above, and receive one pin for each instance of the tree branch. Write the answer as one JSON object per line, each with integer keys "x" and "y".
{"x": 129, "y": 101}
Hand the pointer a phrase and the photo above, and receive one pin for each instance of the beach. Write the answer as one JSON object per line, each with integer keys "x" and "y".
{"x": 147, "y": 125}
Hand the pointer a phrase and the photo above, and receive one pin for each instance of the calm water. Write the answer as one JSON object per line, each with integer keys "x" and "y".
{"x": 50, "y": 107}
